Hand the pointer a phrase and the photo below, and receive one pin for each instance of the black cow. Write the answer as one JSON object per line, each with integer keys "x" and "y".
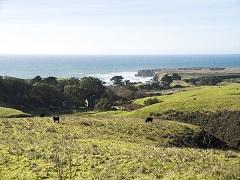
{"x": 149, "y": 120}
{"x": 56, "y": 119}
{"x": 42, "y": 115}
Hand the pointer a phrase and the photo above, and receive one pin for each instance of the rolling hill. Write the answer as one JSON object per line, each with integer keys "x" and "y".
{"x": 209, "y": 98}
{"x": 120, "y": 145}
{"x": 9, "y": 112}
{"x": 90, "y": 148}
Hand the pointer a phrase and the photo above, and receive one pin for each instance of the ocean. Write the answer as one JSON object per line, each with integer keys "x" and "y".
{"x": 104, "y": 67}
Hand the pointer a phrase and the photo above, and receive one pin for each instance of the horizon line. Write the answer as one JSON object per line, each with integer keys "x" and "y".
{"x": 166, "y": 54}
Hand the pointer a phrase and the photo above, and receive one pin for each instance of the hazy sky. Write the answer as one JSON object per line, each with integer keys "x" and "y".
{"x": 119, "y": 26}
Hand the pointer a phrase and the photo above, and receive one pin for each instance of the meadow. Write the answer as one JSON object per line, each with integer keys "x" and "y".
{"x": 204, "y": 98}
{"x": 119, "y": 144}
{"x": 10, "y": 112}
{"x": 83, "y": 148}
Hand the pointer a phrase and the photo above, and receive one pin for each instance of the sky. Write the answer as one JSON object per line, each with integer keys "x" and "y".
{"x": 119, "y": 27}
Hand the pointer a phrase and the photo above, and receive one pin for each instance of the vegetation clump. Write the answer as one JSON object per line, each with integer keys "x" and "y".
{"x": 153, "y": 86}
{"x": 166, "y": 80}
{"x": 117, "y": 80}
{"x": 104, "y": 105}
{"x": 50, "y": 93}
{"x": 205, "y": 80}
{"x": 176, "y": 76}
{"x": 151, "y": 101}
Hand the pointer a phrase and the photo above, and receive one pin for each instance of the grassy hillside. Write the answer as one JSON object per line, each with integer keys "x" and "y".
{"x": 8, "y": 112}
{"x": 120, "y": 145}
{"x": 210, "y": 98}
{"x": 89, "y": 148}
{"x": 204, "y": 98}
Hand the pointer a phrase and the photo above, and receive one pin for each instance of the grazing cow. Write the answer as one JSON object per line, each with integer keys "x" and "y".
{"x": 194, "y": 99}
{"x": 149, "y": 119}
{"x": 56, "y": 119}
{"x": 42, "y": 115}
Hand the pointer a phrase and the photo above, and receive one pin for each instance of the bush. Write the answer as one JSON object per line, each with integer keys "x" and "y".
{"x": 209, "y": 80}
{"x": 151, "y": 101}
{"x": 176, "y": 76}
{"x": 178, "y": 86}
{"x": 117, "y": 80}
{"x": 204, "y": 81}
{"x": 103, "y": 105}
{"x": 154, "y": 86}
{"x": 167, "y": 80}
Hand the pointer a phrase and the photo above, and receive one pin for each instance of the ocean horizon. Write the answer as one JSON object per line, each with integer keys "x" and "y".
{"x": 105, "y": 66}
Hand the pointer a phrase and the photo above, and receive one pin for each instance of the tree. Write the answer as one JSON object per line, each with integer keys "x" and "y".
{"x": 204, "y": 80}
{"x": 92, "y": 89}
{"x": 127, "y": 82}
{"x": 37, "y": 79}
{"x": 66, "y": 82}
{"x": 45, "y": 95}
{"x": 92, "y": 85}
{"x": 117, "y": 80}
{"x": 176, "y": 76}
{"x": 167, "y": 79}
{"x": 1, "y": 84}
{"x": 15, "y": 91}
{"x": 73, "y": 95}
{"x": 209, "y": 80}
{"x": 73, "y": 81}
{"x": 51, "y": 80}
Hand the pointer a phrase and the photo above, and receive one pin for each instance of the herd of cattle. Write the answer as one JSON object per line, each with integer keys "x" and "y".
{"x": 56, "y": 119}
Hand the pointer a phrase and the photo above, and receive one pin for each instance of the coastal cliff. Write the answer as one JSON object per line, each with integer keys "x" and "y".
{"x": 152, "y": 72}
{"x": 147, "y": 72}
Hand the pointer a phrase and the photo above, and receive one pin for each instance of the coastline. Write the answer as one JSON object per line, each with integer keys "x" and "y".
{"x": 78, "y": 66}
{"x": 191, "y": 70}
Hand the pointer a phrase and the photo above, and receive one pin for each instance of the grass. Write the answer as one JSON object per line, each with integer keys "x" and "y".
{"x": 9, "y": 112}
{"x": 118, "y": 144}
{"x": 209, "y": 98}
{"x": 113, "y": 148}
{"x": 204, "y": 98}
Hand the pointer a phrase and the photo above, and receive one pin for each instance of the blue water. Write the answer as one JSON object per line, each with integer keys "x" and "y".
{"x": 79, "y": 66}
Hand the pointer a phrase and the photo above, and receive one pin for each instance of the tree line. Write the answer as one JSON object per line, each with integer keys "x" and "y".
{"x": 50, "y": 92}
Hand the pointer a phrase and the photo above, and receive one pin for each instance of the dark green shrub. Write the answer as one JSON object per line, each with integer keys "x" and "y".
{"x": 176, "y": 76}
{"x": 167, "y": 80}
{"x": 209, "y": 80}
{"x": 151, "y": 101}
{"x": 204, "y": 80}
{"x": 117, "y": 80}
